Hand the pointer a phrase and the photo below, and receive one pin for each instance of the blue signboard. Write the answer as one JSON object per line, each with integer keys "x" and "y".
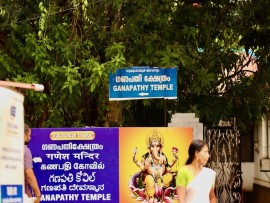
{"x": 76, "y": 165}
{"x": 143, "y": 83}
{"x": 11, "y": 194}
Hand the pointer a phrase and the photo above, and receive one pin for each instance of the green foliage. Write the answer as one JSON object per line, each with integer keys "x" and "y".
{"x": 71, "y": 47}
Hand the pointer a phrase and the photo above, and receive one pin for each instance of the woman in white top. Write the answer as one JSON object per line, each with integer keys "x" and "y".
{"x": 195, "y": 183}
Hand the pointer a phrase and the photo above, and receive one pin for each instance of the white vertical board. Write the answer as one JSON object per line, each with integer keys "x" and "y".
{"x": 11, "y": 146}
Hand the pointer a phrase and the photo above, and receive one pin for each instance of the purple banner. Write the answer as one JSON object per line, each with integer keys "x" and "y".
{"x": 76, "y": 165}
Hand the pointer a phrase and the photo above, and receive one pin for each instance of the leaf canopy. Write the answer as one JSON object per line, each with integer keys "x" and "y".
{"x": 71, "y": 46}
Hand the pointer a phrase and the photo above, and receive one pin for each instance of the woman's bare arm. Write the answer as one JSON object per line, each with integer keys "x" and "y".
{"x": 181, "y": 193}
{"x": 212, "y": 196}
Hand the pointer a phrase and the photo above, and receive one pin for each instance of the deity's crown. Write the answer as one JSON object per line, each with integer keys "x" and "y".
{"x": 154, "y": 136}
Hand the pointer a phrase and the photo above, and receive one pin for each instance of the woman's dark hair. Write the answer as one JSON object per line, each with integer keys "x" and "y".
{"x": 195, "y": 146}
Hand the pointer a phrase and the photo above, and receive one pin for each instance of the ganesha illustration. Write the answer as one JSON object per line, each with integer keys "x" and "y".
{"x": 155, "y": 181}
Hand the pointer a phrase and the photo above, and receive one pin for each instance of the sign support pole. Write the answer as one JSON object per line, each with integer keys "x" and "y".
{"x": 35, "y": 87}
